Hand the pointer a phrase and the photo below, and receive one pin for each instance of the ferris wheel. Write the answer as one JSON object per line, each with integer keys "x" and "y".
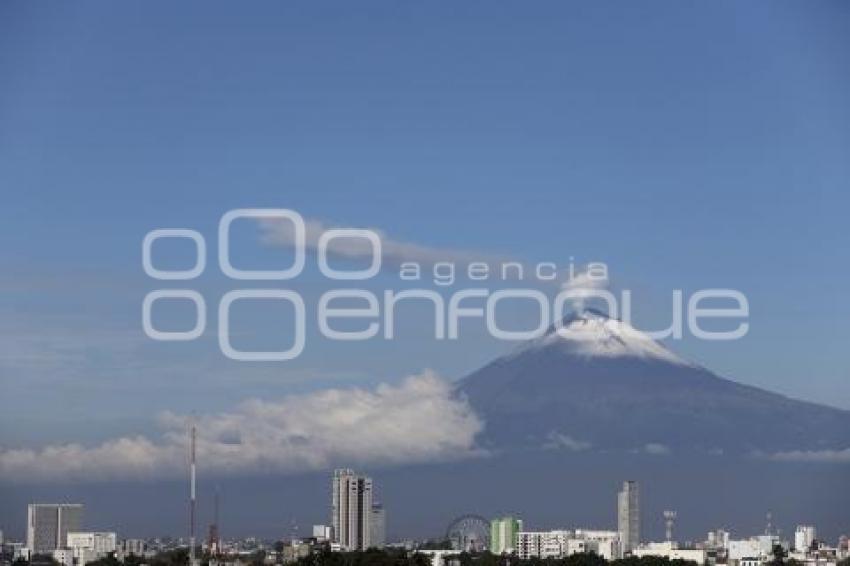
{"x": 469, "y": 533}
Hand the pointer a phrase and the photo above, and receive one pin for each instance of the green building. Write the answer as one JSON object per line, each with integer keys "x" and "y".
{"x": 503, "y": 534}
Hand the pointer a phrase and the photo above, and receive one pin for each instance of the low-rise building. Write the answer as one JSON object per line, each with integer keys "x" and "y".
{"x": 671, "y": 551}
{"x": 90, "y": 546}
{"x": 562, "y": 543}
{"x": 438, "y": 557}
{"x": 742, "y": 549}
{"x": 322, "y": 533}
{"x": 132, "y": 546}
{"x": 64, "y": 556}
{"x": 542, "y": 544}
{"x": 16, "y": 550}
{"x": 606, "y": 544}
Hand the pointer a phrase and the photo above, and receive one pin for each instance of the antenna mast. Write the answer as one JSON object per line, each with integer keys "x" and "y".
{"x": 192, "y": 435}
{"x": 669, "y": 519}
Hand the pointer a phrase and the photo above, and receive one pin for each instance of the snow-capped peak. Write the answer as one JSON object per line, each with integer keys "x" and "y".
{"x": 592, "y": 333}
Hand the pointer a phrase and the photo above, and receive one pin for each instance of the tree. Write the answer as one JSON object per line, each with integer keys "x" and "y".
{"x": 43, "y": 560}
{"x": 400, "y": 557}
{"x": 258, "y": 558}
{"x": 179, "y": 557}
{"x": 584, "y": 559}
{"x": 779, "y": 555}
{"x": 106, "y": 561}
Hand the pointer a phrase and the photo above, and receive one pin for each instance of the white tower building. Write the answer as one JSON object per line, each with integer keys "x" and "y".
{"x": 804, "y": 536}
{"x": 628, "y": 515}
{"x": 352, "y": 510}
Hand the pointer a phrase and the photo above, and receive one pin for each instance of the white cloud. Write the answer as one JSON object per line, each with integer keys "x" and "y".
{"x": 276, "y": 232}
{"x": 394, "y": 252}
{"x": 656, "y": 449}
{"x": 559, "y": 441}
{"x": 831, "y": 456}
{"x": 417, "y": 420}
{"x": 583, "y": 286}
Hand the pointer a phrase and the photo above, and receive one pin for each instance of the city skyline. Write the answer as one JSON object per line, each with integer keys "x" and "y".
{"x": 352, "y": 506}
{"x": 508, "y": 536}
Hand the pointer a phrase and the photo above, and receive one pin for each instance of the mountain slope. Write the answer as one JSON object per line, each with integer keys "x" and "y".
{"x": 610, "y": 387}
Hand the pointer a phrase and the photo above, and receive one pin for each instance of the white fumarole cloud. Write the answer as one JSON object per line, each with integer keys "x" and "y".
{"x": 584, "y": 287}
{"x": 417, "y": 420}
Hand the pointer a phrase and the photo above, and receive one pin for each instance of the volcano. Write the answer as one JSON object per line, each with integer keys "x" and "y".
{"x": 607, "y": 386}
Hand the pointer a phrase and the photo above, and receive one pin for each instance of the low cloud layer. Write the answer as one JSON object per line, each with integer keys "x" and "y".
{"x": 417, "y": 420}
{"x": 830, "y": 456}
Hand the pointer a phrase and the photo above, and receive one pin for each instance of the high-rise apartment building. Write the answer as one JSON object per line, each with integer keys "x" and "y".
{"x": 48, "y": 525}
{"x": 628, "y": 515}
{"x": 503, "y": 535}
{"x": 352, "y": 510}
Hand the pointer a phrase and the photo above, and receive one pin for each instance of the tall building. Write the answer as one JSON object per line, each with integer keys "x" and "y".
{"x": 378, "y": 534}
{"x": 352, "y": 510}
{"x": 628, "y": 515}
{"x": 503, "y": 535}
{"x": 48, "y": 525}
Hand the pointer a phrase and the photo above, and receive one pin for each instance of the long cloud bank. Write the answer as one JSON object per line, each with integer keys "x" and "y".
{"x": 828, "y": 456}
{"x": 417, "y": 420}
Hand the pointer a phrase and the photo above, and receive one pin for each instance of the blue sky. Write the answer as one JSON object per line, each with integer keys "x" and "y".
{"x": 687, "y": 145}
